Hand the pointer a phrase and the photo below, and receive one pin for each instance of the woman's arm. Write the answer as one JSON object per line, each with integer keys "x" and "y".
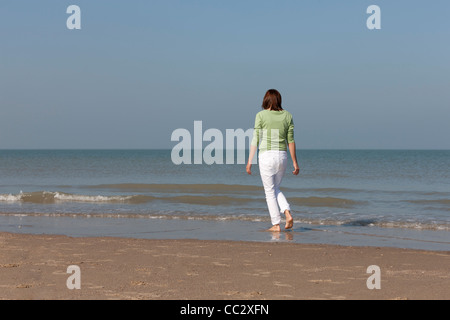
{"x": 254, "y": 143}
{"x": 250, "y": 159}
{"x": 292, "y": 151}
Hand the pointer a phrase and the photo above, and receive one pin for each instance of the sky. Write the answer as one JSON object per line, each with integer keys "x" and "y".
{"x": 138, "y": 70}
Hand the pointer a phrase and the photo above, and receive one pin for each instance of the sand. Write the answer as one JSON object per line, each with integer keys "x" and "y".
{"x": 35, "y": 267}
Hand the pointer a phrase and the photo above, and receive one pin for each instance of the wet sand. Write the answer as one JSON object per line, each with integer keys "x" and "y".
{"x": 35, "y": 267}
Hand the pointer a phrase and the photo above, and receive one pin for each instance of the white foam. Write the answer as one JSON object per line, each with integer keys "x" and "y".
{"x": 11, "y": 197}
{"x": 86, "y": 198}
{"x": 58, "y": 196}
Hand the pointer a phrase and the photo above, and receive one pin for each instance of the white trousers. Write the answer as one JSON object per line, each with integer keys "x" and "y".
{"x": 272, "y": 166}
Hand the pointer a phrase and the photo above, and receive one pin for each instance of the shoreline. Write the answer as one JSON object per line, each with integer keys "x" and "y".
{"x": 236, "y": 230}
{"x": 35, "y": 267}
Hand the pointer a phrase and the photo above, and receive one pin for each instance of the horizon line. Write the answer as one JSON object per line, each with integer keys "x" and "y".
{"x": 169, "y": 149}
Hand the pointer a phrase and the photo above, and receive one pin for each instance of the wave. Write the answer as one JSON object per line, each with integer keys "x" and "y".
{"x": 240, "y": 189}
{"x": 436, "y": 201}
{"x": 177, "y": 188}
{"x": 323, "y": 202}
{"x": 47, "y": 197}
{"x": 205, "y": 188}
{"x": 304, "y": 222}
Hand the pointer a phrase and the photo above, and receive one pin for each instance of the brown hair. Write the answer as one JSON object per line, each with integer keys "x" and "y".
{"x": 272, "y": 100}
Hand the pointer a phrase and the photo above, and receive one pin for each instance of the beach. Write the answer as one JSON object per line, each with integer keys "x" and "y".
{"x": 35, "y": 267}
{"x": 137, "y": 226}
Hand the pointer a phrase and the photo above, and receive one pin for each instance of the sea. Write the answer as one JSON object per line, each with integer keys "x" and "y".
{"x": 384, "y": 198}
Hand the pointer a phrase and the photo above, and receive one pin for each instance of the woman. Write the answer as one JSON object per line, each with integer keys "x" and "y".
{"x": 273, "y": 128}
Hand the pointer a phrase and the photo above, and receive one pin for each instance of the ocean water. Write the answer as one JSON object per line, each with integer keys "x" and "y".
{"x": 356, "y": 197}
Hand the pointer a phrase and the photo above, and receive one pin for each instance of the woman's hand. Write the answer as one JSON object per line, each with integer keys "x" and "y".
{"x": 296, "y": 169}
{"x": 250, "y": 159}
{"x": 249, "y": 168}
{"x": 293, "y": 153}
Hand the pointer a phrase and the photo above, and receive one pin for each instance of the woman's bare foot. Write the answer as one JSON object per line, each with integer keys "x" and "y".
{"x": 275, "y": 228}
{"x": 289, "y": 220}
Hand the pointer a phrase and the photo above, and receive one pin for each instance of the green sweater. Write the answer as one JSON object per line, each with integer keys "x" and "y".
{"x": 272, "y": 130}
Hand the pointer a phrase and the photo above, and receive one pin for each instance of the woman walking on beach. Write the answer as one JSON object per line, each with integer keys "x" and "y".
{"x": 274, "y": 127}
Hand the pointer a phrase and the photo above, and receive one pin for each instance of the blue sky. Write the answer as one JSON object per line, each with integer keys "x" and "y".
{"x": 137, "y": 70}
